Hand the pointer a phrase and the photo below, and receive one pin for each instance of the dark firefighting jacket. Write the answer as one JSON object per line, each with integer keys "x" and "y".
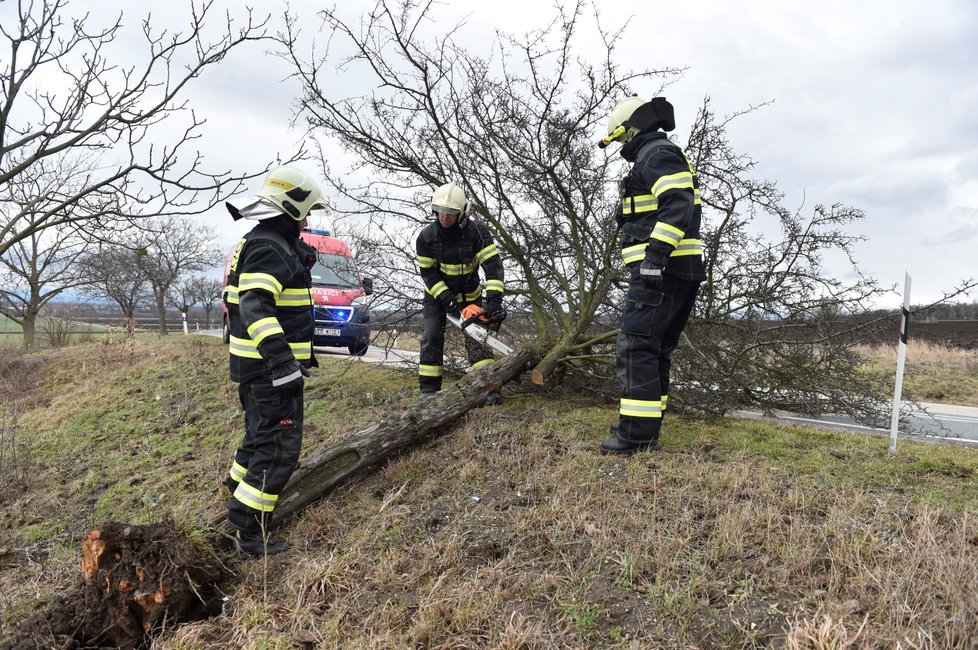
{"x": 269, "y": 303}
{"x": 661, "y": 208}
{"x": 449, "y": 260}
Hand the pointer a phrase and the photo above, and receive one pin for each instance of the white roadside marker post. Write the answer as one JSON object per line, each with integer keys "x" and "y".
{"x": 901, "y": 359}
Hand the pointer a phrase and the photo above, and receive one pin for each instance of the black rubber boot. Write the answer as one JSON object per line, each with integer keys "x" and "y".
{"x": 256, "y": 545}
{"x": 494, "y": 399}
{"x": 616, "y": 446}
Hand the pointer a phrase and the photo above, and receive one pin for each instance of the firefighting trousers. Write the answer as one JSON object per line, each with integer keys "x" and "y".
{"x": 431, "y": 362}
{"x": 267, "y": 455}
{"x": 650, "y": 330}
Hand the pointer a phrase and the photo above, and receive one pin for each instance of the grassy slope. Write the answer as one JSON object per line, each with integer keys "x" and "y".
{"x": 507, "y": 531}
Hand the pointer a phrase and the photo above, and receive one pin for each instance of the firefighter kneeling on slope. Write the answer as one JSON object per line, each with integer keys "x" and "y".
{"x": 450, "y": 251}
{"x": 270, "y": 310}
{"x": 660, "y": 220}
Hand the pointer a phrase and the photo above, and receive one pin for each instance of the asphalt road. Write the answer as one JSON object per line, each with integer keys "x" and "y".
{"x": 932, "y": 422}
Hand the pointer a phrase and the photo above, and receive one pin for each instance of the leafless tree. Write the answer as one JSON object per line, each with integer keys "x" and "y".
{"x": 197, "y": 290}
{"x": 35, "y": 271}
{"x": 114, "y": 274}
{"x": 516, "y": 126}
{"x": 173, "y": 247}
{"x": 63, "y": 95}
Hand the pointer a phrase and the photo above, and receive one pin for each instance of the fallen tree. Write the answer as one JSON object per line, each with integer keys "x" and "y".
{"x": 139, "y": 580}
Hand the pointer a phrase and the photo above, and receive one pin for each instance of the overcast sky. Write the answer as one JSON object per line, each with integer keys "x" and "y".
{"x": 875, "y": 105}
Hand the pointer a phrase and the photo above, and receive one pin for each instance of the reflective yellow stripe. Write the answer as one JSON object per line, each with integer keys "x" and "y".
{"x": 483, "y": 362}
{"x": 640, "y": 408}
{"x": 294, "y": 298}
{"x": 635, "y": 253}
{"x": 439, "y": 288}
{"x": 429, "y": 371}
{"x": 263, "y": 328}
{"x": 301, "y": 350}
{"x": 254, "y": 498}
{"x": 244, "y": 348}
{"x": 688, "y": 247}
{"x": 677, "y": 181}
{"x": 469, "y": 297}
{"x": 666, "y": 233}
{"x": 486, "y": 253}
{"x": 458, "y": 269}
{"x": 249, "y": 349}
{"x": 641, "y": 203}
{"x": 256, "y": 281}
{"x": 495, "y": 285}
{"x": 237, "y": 472}
{"x": 231, "y": 295}
{"x": 665, "y": 400}
{"x": 696, "y": 197}
{"x": 427, "y": 262}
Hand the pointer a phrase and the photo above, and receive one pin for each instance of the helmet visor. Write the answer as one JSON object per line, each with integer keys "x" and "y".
{"x": 440, "y": 209}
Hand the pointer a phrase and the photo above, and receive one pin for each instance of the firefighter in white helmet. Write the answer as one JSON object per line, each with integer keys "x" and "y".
{"x": 450, "y": 251}
{"x": 659, "y": 217}
{"x": 270, "y": 315}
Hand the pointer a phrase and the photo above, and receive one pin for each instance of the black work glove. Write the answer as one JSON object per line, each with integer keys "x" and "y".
{"x": 496, "y": 316}
{"x": 289, "y": 375}
{"x": 451, "y": 307}
{"x": 494, "y": 302}
{"x": 651, "y": 274}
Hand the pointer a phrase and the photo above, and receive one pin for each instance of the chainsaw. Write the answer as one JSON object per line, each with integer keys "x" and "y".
{"x": 473, "y": 326}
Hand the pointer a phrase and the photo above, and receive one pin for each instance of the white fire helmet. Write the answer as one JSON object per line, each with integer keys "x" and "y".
{"x": 450, "y": 199}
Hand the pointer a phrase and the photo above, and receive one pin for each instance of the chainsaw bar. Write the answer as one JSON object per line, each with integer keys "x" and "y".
{"x": 480, "y": 334}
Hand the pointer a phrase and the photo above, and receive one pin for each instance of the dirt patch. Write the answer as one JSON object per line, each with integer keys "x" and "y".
{"x": 135, "y": 580}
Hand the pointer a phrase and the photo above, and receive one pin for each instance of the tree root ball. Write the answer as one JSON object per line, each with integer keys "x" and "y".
{"x": 136, "y": 581}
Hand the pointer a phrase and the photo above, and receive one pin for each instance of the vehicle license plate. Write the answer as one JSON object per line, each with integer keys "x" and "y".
{"x": 327, "y": 331}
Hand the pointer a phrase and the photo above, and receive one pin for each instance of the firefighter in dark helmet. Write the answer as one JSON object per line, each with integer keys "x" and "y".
{"x": 450, "y": 251}
{"x": 270, "y": 314}
{"x": 660, "y": 222}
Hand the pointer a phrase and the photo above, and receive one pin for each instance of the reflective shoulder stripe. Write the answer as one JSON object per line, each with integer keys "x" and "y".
{"x": 262, "y": 281}
{"x": 677, "y": 181}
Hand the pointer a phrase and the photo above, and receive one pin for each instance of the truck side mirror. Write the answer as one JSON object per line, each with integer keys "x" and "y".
{"x": 368, "y": 285}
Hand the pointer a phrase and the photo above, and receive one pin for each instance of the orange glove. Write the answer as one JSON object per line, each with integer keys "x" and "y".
{"x": 471, "y": 311}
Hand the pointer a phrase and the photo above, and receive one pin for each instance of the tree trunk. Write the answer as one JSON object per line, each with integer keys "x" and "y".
{"x": 161, "y": 311}
{"x": 135, "y": 583}
{"x": 320, "y": 472}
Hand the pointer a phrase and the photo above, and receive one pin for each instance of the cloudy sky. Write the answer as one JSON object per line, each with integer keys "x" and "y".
{"x": 874, "y": 105}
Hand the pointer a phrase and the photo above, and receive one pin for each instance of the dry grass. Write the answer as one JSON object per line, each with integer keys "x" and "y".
{"x": 509, "y": 531}
{"x": 934, "y": 372}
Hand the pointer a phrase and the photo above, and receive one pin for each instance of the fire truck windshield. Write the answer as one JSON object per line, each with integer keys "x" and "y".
{"x": 335, "y": 271}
